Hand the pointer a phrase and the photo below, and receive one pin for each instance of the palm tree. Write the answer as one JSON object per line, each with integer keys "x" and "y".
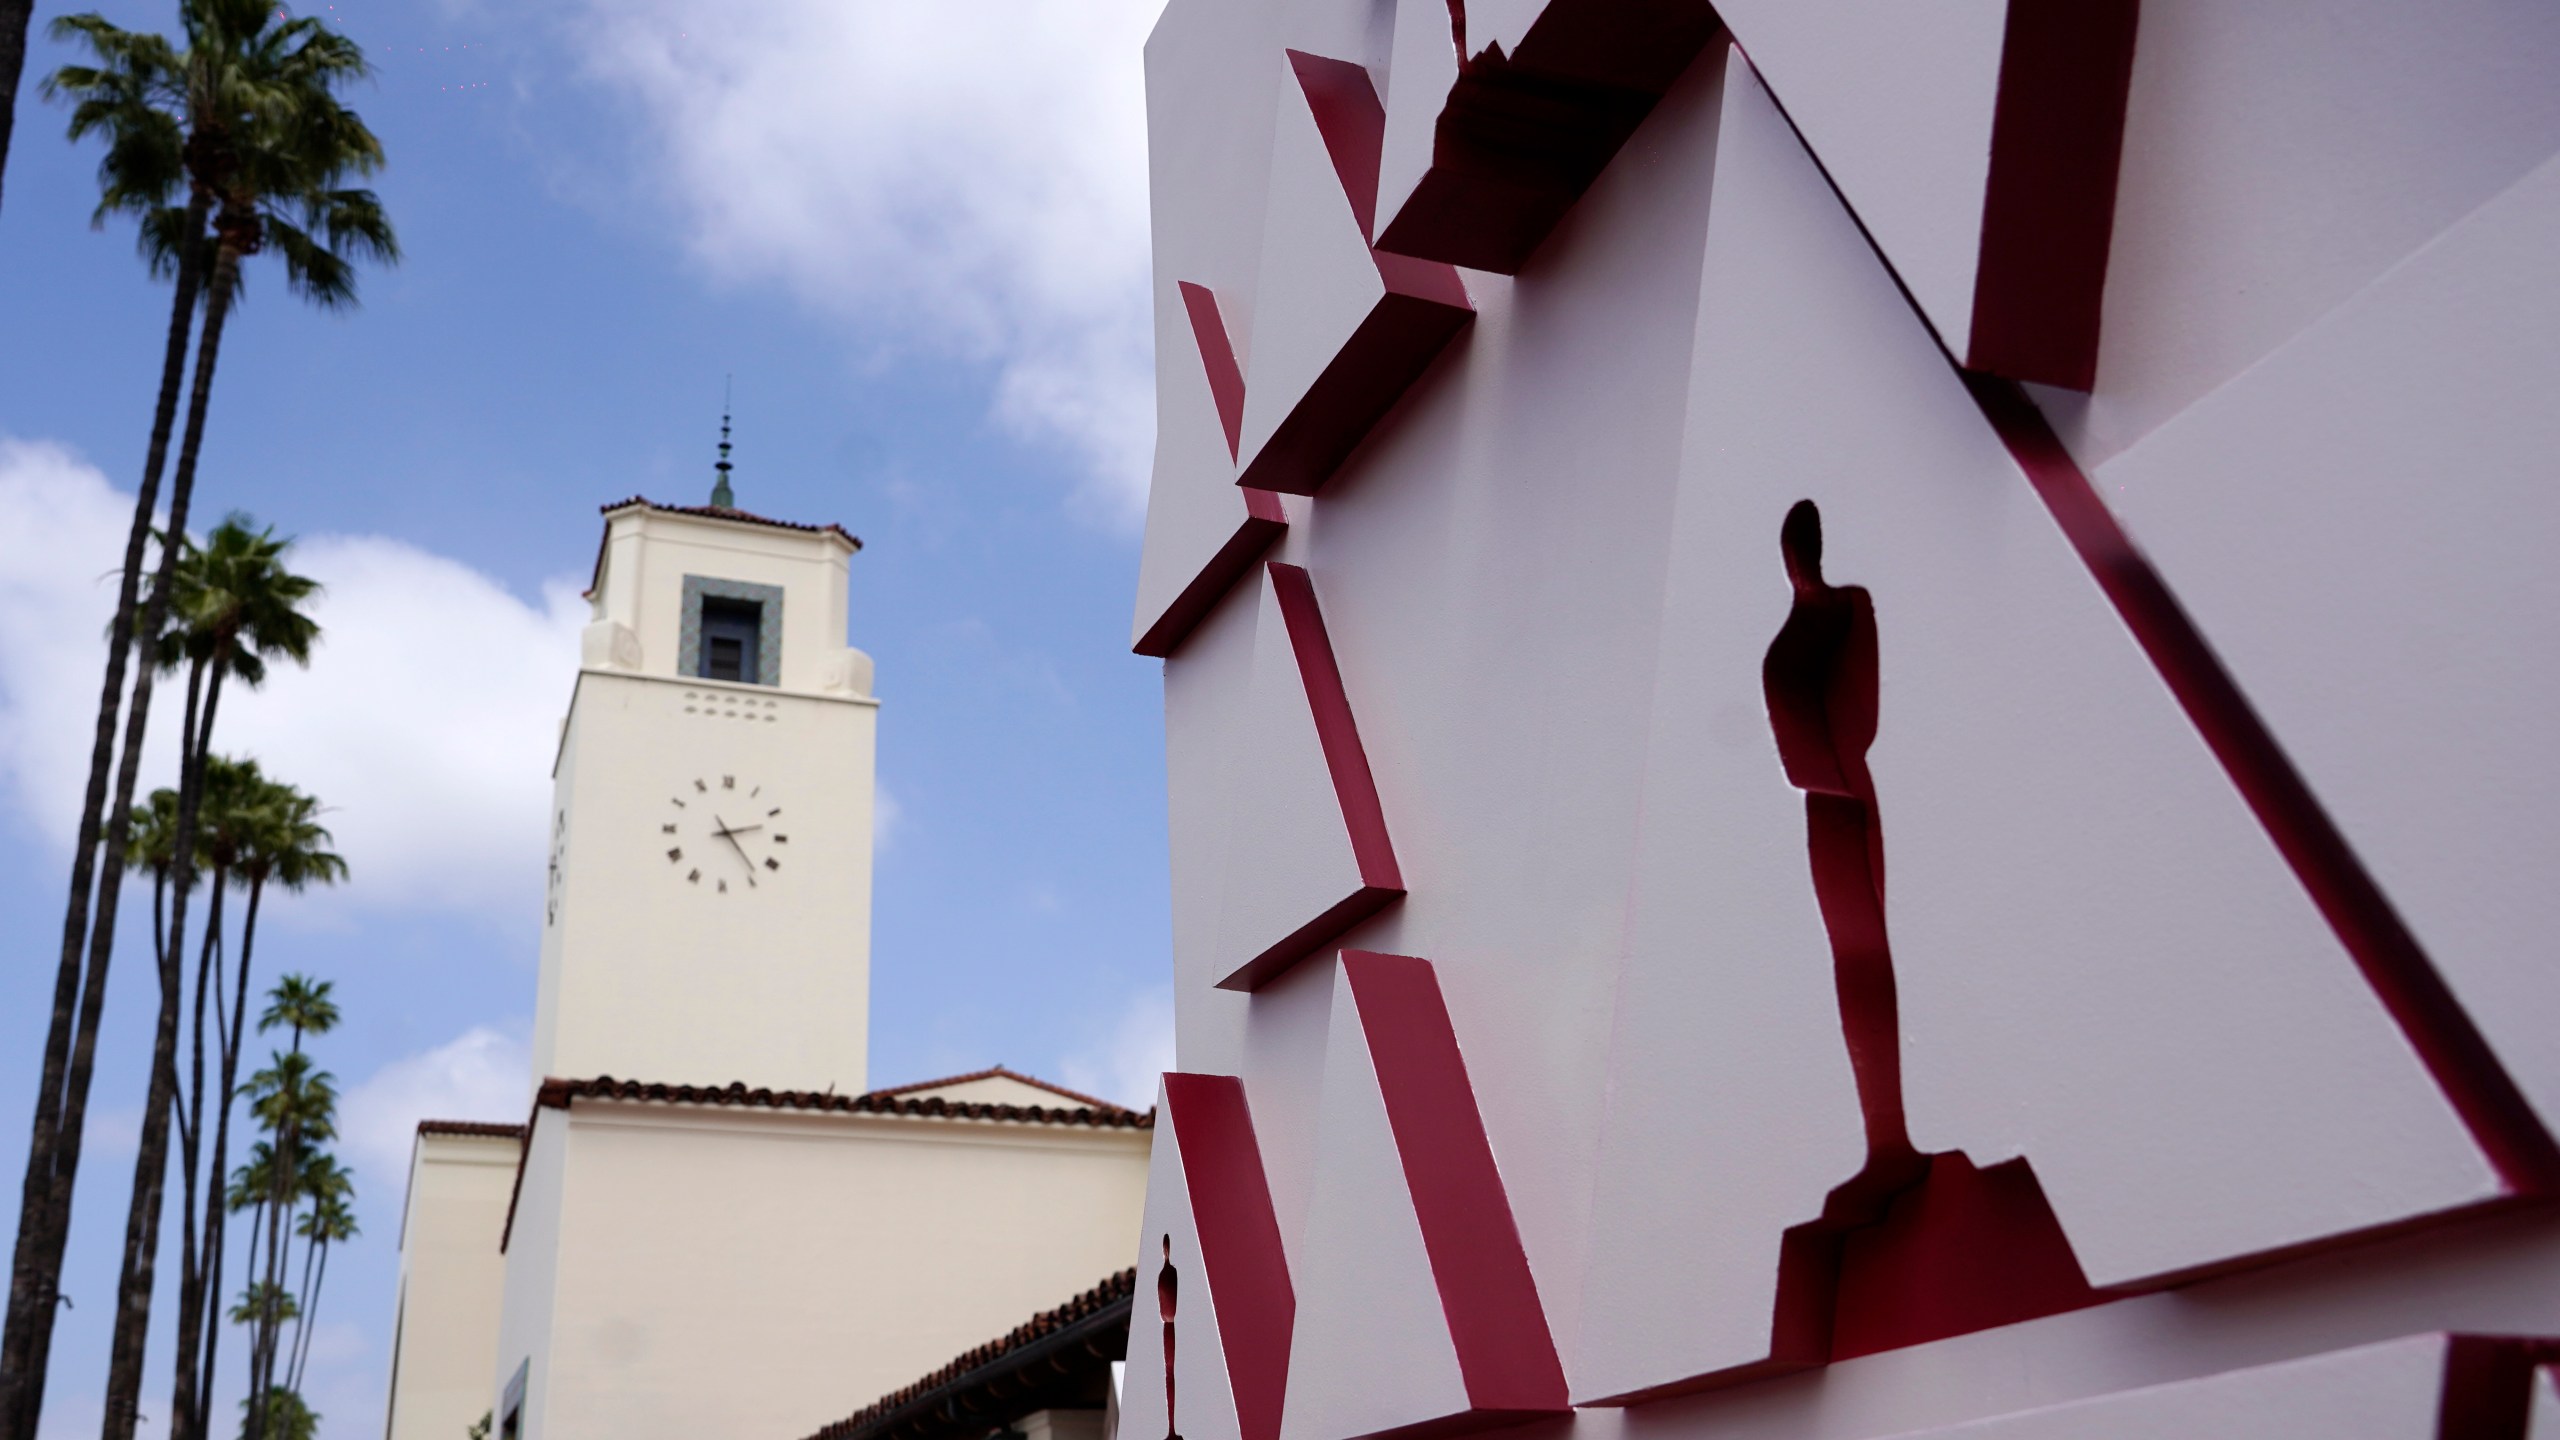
{"x": 285, "y": 1417}
{"x": 143, "y": 164}
{"x": 298, "y": 1105}
{"x": 288, "y": 847}
{"x": 234, "y": 606}
{"x": 262, "y": 1304}
{"x": 151, "y": 839}
{"x": 301, "y": 1004}
{"x": 240, "y": 812}
{"x": 232, "y": 788}
{"x": 251, "y": 111}
{"x": 331, "y": 1188}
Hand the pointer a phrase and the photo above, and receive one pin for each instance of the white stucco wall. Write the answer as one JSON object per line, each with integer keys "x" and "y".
{"x": 648, "y": 552}
{"x": 532, "y": 1290}
{"x": 671, "y": 953}
{"x": 452, "y": 1282}
{"x": 723, "y": 1271}
{"x": 651, "y": 975}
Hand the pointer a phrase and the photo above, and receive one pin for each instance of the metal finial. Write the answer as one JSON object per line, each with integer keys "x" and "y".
{"x": 722, "y": 497}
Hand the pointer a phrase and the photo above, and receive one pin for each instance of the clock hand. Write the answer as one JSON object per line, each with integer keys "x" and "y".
{"x": 744, "y": 858}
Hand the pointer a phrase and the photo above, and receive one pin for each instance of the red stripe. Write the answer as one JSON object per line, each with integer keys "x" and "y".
{"x": 2500, "y": 1120}
{"x": 2049, "y": 204}
{"x": 1486, "y": 1290}
{"x": 1353, "y": 124}
{"x": 1353, "y": 785}
{"x": 1218, "y": 357}
{"x": 2488, "y": 1385}
{"x": 1261, "y": 524}
{"x": 1239, "y": 1233}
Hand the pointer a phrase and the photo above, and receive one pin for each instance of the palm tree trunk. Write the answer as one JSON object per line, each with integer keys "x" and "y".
{"x": 13, "y": 59}
{"x": 192, "y": 1260}
{"x": 151, "y": 1157}
{"x": 133, "y": 1295}
{"x": 309, "y": 1321}
{"x": 262, "y": 1361}
{"x": 302, "y": 1301}
{"x": 217, "y": 1211}
{"x": 53, "y": 1149}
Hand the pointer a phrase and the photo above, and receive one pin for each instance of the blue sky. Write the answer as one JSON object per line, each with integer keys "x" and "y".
{"x": 916, "y": 236}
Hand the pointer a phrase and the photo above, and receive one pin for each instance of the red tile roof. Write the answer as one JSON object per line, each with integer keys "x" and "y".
{"x": 555, "y": 1094}
{"x": 995, "y": 1072}
{"x": 961, "y": 1392}
{"x": 490, "y": 1129}
{"x": 743, "y": 517}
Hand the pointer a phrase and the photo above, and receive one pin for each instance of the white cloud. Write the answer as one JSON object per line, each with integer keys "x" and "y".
{"x": 1126, "y": 1065}
{"x": 426, "y": 724}
{"x": 970, "y": 173}
{"x": 886, "y": 815}
{"x": 482, "y": 1074}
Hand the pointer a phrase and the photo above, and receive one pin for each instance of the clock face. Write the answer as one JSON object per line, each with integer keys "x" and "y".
{"x": 724, "y": 835}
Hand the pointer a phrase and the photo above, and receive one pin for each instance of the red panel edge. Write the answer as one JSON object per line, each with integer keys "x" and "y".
{"x": 1263, "y": 523}
{"x": 1353, "y": 784}
{"x": 2488, "y": 1385}
{"x": 1353, "y": 124}
{"x": 2049, "y": 205}
{"x": 1424, "y": 306}
{"x": 1380, "y": 360}
{"x": 1519, "y": 138}
{"x": 1465, "y": 1422}
{"x": 1217, "y": 356}
{"x": 2501, "y": 1122}
{"x": 1487, "y": 1293}
{"x": 1307, "y": 939}
{"x": 1248, "y": 1271}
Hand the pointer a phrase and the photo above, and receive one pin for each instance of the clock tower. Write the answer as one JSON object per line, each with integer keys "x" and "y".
{"x": 709, "y": 910}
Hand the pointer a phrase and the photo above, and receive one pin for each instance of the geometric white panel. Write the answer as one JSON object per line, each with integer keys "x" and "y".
{"x": 1204, "y": 1398}
{"x": 2364, "y": 524}
{"x": 1372, "y": 1350}
{"x": 2104, "y": 965}
{"x": 1306, "y": 855}
{"x": 2077, "y": 893}
{"x": 1897, "y": 101}
{"x": 2390, "y": 1391}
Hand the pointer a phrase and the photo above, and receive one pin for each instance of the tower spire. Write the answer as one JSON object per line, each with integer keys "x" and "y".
{"x": 722, "y": 497}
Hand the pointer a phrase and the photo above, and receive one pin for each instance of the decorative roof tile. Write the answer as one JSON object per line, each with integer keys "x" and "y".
{"x": 484, "y": 1128}
{"x": 1099, "y": 1317}
{"x": 743, "y": 517}
{"x": 555, "y": 1094}
{"x": 999, "y": 1072}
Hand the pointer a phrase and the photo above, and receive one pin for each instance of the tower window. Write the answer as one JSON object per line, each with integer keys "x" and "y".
{"x": 732, "y": 638}
{"x": 732, "y": 630}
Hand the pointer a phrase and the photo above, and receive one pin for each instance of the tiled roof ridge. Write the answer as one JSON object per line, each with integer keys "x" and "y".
{"x": 557, "y": 1093}
{"x": 722, "y": 512}
{"x": 995, "y": 1072}
{"x": 493, "y": 1129}
{"x": 1114, "y": 1290}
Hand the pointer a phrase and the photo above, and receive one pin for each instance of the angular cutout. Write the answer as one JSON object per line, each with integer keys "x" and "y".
{"x": 1422, "y": 1314}
{"x": 1323, "y": 860}
{"x": 1220, "y": 553}
{"x": 1487, "y": 148}
{"x": 1343, "y": 329}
